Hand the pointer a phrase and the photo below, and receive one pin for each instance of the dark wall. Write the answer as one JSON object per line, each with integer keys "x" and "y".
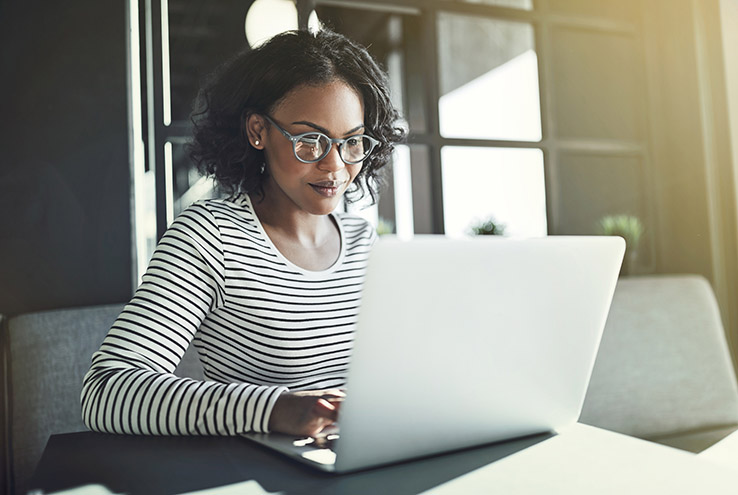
{"x": 65, "y": 233}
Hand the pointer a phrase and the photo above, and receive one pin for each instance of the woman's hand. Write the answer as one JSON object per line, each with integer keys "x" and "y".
{"x": 305, "y": 413}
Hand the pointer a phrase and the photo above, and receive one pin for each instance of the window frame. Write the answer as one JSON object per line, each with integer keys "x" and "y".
{"x": 542, "y": 19}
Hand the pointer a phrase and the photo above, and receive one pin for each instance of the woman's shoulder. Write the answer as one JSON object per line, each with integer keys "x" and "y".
{"x": 222, "y": 210}
{"x": 231, "y": 216}
{"x": 357, "y": 230}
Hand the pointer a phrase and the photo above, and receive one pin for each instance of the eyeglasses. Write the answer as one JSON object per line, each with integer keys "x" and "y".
{"x": 311, "y": 147}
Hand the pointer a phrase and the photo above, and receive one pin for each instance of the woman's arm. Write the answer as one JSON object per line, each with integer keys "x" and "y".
{"x": 130, "y": 387}
{"x": 306, "y": 413}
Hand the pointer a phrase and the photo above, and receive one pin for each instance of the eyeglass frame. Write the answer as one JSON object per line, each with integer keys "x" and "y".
{"x": 338, "y": 141}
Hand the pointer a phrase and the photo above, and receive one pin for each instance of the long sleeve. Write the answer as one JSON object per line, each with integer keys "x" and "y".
{"x": 131, "y": 388}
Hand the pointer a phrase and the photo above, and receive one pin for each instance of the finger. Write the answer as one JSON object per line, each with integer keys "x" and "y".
{"x": 319, "y": 393}
{"x": 330, "y": 429}
{"x": 319, "y": 423}
{"x": 334, "y": 396}
{"x": 326, "y": 409}
{"x": 335, "y": 402}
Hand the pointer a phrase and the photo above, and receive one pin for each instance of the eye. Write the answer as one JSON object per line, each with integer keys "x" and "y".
{"x": 310, "y": 147}
{"x": 354, "y": 142}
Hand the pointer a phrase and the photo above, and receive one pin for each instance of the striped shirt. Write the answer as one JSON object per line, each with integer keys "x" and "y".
{"x": 261, "y": 325}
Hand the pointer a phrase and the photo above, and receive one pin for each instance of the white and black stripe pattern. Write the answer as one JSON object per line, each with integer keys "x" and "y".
{"x": 261, "y": 325}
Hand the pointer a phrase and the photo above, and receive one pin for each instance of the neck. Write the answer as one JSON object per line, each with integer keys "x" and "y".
{"x": 283, "y": 218}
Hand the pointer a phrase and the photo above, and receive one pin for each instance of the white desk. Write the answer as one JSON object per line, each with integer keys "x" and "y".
{"x": 580, "y": 460}
{"x": 724, "y": 452}
{"x": 588, "y": 460}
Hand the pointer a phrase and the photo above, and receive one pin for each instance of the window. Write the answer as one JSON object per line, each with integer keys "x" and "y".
{"x": 490, "y": 183}
{"x": 514, "y": 109}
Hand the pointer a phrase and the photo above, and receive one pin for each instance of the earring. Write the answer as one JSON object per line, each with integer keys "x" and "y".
{"x": 256, "y": 143}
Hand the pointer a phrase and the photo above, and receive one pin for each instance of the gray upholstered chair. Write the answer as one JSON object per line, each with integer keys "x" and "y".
{"x": 4, "y": 454}
{"x": 48, "y": 354}
{"x": 663, "y": 372}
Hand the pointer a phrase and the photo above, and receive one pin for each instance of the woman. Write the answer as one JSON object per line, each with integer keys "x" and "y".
{"x": 267, "y": 282}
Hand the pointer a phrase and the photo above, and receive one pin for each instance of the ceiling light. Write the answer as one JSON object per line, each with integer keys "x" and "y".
{"x": 266, "y": 18}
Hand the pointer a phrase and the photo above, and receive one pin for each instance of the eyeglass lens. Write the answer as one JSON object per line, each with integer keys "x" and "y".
{"x": 314, "y": 147}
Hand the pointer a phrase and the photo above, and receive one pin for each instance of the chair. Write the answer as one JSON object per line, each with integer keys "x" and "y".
{"x": 663, "y": 372}
{"x": 4, "y": 454}
{"x": 48, "y": 354}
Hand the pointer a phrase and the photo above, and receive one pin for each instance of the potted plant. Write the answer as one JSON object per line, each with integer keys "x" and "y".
{"x": 487, "y": 227}
{"x": 628, "y": 227}
{"x": 385, "y": 227}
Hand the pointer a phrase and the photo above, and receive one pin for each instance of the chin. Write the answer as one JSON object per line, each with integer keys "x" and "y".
{"x": 324, "y": 205}
{"x": 325, "y": 209}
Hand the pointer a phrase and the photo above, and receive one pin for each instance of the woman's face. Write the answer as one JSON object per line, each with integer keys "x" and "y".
{"x": 333, "y": 109}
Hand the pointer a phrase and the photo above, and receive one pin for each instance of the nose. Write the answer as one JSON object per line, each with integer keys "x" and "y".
{"x": 332, "y": 161}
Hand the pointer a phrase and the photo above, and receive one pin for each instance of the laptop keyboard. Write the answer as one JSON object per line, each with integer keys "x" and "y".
{"x": 321, "y": 442}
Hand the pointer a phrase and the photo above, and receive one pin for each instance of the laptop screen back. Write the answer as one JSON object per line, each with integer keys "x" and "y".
{"x": 465, "y": 342}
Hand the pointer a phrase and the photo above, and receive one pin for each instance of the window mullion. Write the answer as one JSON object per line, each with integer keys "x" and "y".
{"x": 430, "y": 34}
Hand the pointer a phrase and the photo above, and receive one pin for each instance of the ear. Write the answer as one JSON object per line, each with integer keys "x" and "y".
{"x": 256, "y": 130}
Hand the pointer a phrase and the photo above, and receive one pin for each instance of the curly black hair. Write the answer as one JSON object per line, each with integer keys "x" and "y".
{"x": 256, "y": 80}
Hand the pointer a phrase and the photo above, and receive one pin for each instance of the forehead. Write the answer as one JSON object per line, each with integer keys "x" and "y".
{"x": 334, "y": 105}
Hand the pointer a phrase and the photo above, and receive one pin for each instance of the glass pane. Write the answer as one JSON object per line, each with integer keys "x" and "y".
{"x": 607, "y": 185}
{"x": 201, "y": 36}
{"x": 515, "y": 4}
{"x": 145, "y": 212}
{"x": 403, "y": 193}
{"x": 504, "y": 185}
{"x": 421, "y": 180}
{"x": 393, "y": 213}
{"x": 488, "y": 72}
{"x": 364, "y": 209}
{"x": 621, "y": 10}
{"x": 394, "y": 40}
{"x": 187, "y": 184}
{"x": 596, "y": 82}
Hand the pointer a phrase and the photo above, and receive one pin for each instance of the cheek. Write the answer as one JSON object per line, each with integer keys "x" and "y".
{"x": 354, "y": 170}
{"x": 284, "y": 163}
{"x": 282, "y": 157}
{"x": 291, "y": 172}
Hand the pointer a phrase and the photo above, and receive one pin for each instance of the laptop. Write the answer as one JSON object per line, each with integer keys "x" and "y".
{"x": 466, "y": 342}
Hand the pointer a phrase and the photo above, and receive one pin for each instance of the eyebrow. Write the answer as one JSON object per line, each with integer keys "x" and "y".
{"x": 324, "y": 130}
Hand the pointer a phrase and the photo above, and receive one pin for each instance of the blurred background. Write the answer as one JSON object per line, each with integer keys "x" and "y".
{"x": 526, "y": 117}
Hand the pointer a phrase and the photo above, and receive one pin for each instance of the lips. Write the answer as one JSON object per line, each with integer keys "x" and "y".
{"x": 328, "y": 183}
{"x": 327, "y": 188}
